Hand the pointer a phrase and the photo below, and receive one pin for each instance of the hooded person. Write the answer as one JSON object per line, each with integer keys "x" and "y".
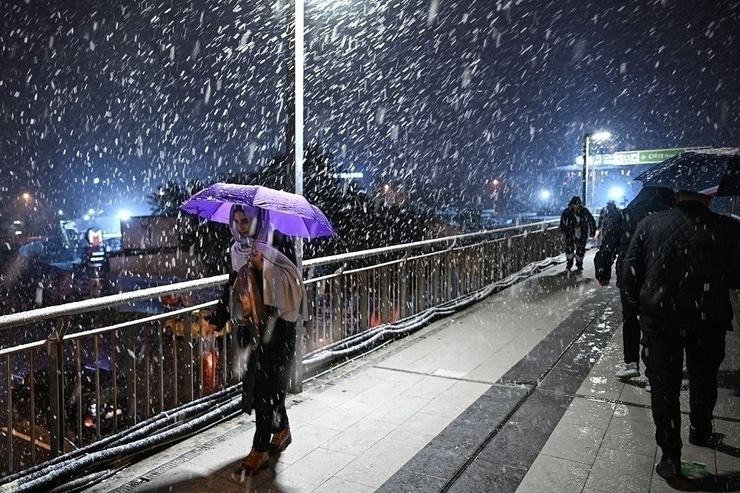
{"x": 618, "y": 231}
{"x": 264, "y": 299}
{"x": 577, "y": 224}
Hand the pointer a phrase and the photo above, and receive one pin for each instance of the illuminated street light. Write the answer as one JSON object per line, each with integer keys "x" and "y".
{"x": 616, "y": 193}
{"x": 545, "y": 194}
{"x": 495, "y": 183}
{"x": 587, "y": 138}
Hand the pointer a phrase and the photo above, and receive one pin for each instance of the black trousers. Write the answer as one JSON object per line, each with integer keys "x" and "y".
{"x": 574, "y": 247}
{"x": 630, "y": 331}
{"x": 662, "y": 353}
{"x": 276, "y": 352}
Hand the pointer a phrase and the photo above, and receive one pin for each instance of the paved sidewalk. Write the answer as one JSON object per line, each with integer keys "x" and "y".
{"x": 514, "y": 394}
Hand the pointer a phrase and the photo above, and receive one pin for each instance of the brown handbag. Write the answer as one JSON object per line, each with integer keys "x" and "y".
{"x": 248, "y": 286}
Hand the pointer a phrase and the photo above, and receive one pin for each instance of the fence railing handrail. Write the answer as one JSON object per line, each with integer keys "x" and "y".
{"x": 83, "y": 306}
{"x": 343, "y": 257}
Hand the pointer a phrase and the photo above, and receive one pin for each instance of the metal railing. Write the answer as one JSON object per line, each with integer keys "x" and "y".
{"x": 98, "y": 369}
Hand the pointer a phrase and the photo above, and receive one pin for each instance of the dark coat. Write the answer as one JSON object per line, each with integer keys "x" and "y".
{"x": 680, "y": 266}
{"x": 580, "y": 224}
{"x": 606, "y": 214}
{"x": 619, "y": 228}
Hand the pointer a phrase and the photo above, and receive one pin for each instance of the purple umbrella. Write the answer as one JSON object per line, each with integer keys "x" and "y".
{"x": 290, "y": 214}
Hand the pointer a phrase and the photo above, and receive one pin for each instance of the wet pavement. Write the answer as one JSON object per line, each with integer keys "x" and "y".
{"x": 515, "y": 394}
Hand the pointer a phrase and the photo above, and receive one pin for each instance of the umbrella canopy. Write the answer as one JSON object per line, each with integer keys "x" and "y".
{"x": 708, "y": 171}
{"x": 290, "y": 214}
{"x": 652, "y": 195}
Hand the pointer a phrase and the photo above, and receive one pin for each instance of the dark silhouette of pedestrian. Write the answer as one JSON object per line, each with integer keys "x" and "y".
{"x": 679, "y": 268}
{"x": 264, "y": 299}
{"x": 577, "y": 224}
{"x": 606, "y": 215}
{"x": 618, "y": 229}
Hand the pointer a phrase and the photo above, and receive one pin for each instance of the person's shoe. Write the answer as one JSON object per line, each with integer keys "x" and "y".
{"x": 255, "y": 462}
{"x": 700, "y": 438}
{"x": 669, "y": 469}
{"x": 630, "y": 370}
{"x": 280, "y": 441}
{"x": 579, "y": 267}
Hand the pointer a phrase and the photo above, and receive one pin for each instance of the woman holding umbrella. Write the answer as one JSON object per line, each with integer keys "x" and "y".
{"x": 267, "y": 287}
{"x": 265, "y": 296}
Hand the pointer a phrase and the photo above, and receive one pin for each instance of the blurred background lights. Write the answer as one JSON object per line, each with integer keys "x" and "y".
{"x": 616, "y": 193}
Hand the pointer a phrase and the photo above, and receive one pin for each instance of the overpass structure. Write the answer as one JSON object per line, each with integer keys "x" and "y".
{"x": 515, "y": 394}
{"x": 511, "y": 390}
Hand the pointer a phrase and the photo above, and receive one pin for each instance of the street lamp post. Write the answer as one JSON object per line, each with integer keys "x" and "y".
{"x": 587, "y": 138}
{"x": 294, "y": 61}
{"x": 495, "y": 183}
{"x": 294, "y": 139}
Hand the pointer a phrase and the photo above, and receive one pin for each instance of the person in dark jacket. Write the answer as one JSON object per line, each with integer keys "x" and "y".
{"x": 678, "y": 270}
{"x": 605, "y": 216}
{"x": 264, "y": 280}
{"x": 617, "y": 232}
{"x": 577, "y": 224}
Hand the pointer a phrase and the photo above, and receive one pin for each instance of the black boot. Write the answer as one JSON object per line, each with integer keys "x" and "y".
{"x": 669, "y": 469}
{"x": 700, "y": 438}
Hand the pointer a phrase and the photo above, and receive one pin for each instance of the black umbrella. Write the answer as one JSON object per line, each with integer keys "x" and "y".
{"x": 707, "y": 171}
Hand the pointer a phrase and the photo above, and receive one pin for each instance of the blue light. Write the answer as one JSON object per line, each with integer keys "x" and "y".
{"x": 616, "y": 193}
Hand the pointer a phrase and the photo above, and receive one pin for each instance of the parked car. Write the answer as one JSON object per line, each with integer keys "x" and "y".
{"x": 108, "y": 413}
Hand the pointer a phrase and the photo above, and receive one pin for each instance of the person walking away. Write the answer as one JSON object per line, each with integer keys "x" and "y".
{"x": 605, "y": 215}
{"x": 678, "y": 270}
{"x": 264, "y": 297}
{"x": 577, "y": 224}
{"x": 618, "y": 229}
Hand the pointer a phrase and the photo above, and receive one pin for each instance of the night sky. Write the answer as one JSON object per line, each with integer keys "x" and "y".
{"x": 102, "y": 101}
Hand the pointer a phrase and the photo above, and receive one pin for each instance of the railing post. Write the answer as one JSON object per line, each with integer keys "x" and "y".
{"x": 452, "y": 274}
{"x": 9, "y": 436}
{"x": 337, "y": 312}
{"x": 420, "y": 286}
{"x": 435, "y": 289}
{"x": 363, "y": 303}
{"x": 489, "y": 264}
{"x": 187, "y": 348}
{"x": 238, "y": 364}
{"x": 308, "y": 325}
{"x": 295, "y": 383}
{"x": 56, "y": 387}
{"x": 129, "y": 369}
{"x": 385, "y": 295}
{"x": 403, "y": 288}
